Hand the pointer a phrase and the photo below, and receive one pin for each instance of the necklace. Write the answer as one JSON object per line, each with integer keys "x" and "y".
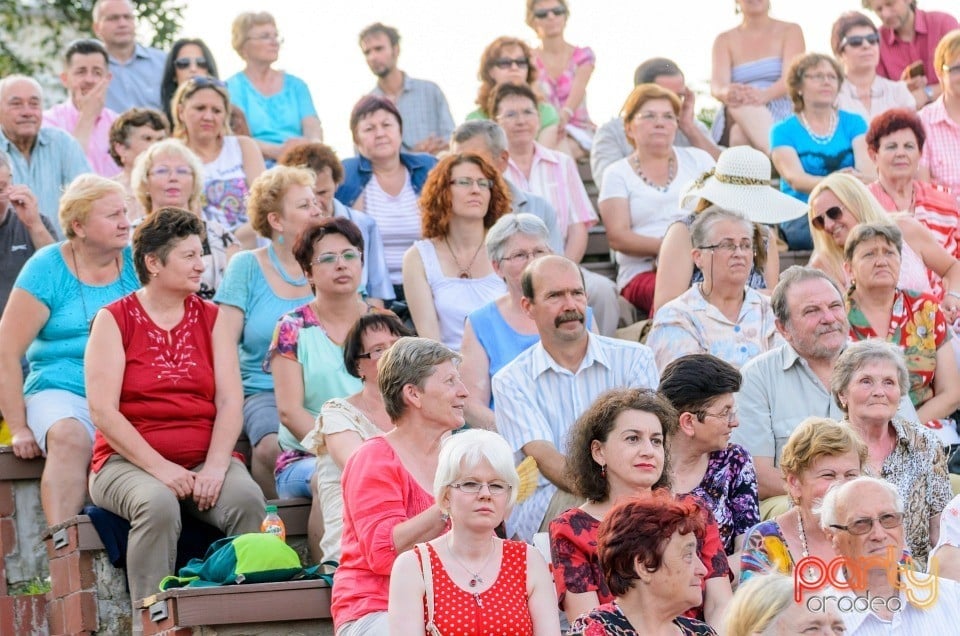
{"x": 83, "y": 301}
{"x": 805, "y": 551}
{"x": 475, "y": 578}
{"x": 671, "y": 173}
{"x": 820, "y": 139}
{"x": 281, "y": 270}
{"x": 462, "y": 272}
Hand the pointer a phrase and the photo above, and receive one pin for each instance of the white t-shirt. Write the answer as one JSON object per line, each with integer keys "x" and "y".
{"x": 651, "y": 211}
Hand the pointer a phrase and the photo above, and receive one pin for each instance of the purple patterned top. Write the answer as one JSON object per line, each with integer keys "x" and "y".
{"x": 729, "y": 490}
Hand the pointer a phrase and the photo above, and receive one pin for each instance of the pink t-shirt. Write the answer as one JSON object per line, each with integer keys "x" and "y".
{"x": 896, "y": 55}
{"x": 378, "y": 494}
{"x": 65, "y": 116}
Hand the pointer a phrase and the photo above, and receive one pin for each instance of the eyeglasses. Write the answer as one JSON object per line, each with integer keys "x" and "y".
{"x": 952, "y": 70}
{"x": 727, "y": 414}
{"x": 821, "y": 77}
{"x": 164, "y": 171}
{"x": 858, "y": 40}
{"x": 511, "y": 115}
{"x": 524, "y": 256}
{"x": 664, "y": 117}
{"x": 267, "y": 37}
{"x": 376, "y": 353}
{"x": 730, "y": 246}
{"x": 496, "y": 488}
{"x": 506, "y": 62}
{"x": 468, "y": 182}
{"x": 541, "y": 14}
{"x": 329, "y": 258}
{"x": 183, "y": 63}
{"x": 833, "y": 214}
{"x": 203, "y": 81}
{"x": 888, "y": 520}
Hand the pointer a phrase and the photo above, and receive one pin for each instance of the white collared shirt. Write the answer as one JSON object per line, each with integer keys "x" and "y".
{"x": 914, "y": 618}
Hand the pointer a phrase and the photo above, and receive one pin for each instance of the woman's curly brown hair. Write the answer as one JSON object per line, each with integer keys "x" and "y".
{"x": 493, "y": 53}
{"x": 582, "y": 471}
{"x": 435, "y": 201}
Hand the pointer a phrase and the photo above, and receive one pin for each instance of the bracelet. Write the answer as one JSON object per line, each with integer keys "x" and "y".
{"x": 954, "y": 294}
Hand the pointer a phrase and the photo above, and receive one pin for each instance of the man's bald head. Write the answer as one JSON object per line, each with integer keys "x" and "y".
{"x": 545, "y": 266}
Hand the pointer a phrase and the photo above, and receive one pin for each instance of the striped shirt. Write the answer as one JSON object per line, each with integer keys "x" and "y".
{"x": 933, "y": 207}
{"x": 537, "y": 399}
{"x": 554, "y": 176}
{"x": 941, "y": 152}
{"x": 942, "y": 617}
{"x": 398, "y": 218}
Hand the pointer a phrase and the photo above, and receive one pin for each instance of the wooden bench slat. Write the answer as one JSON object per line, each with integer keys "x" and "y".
{"x": 13, "y": 468}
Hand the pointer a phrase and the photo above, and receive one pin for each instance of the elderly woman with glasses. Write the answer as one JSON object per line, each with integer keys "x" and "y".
{"x": 721, "y": 315}
{"x": 388, "y": 505}
{"x": 230, "y": 163}
{"x": 278, "y": 105}
{"x": 468, "y": 580}
{"x": 869, "y": 379}
{"x": 444, "y": 276}
{"x": 856, "y": 44}
{"x": 508, "y": 60}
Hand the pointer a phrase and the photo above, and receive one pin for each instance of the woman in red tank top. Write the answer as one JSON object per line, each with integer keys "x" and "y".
{"x": 479, "y": 584}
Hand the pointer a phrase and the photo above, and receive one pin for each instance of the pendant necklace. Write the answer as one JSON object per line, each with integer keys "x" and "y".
{"x": 281, "y": 270}
{"x": 808, "y": 575}
{"x": 475, "y": 578}
{"x": 462, "y": 272}
{"x": 80, "y": 283}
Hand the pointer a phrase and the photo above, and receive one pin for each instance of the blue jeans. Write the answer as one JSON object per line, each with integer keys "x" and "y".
{"x": 294, "y": 480}
{"x": 797, "y": 233}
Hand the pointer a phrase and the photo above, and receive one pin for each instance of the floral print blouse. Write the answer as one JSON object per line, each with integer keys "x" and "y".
{"x": 729, "y": 490}
{"x": 608, "y": 620}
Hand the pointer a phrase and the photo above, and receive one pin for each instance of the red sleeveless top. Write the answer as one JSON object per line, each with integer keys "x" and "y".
{"x": 500, "y": 610}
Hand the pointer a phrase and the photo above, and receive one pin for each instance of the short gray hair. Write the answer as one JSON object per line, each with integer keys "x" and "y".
{"x": 860, "y": 353}
{"x": 508, "y": 226}
{"x": 703, "y": 225}
{"x": 465, "y": 450}
{"x": 866, "y": 231}
{"x": 794, "y": 275}
{"x": 10, "y": 79}
{"x": 490, "y": 131}
{"x": 409, "y": 361}
{"x": 828, "y": 509}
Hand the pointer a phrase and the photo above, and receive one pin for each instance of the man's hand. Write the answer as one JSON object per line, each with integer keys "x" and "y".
{"x": 25, "y": 444}
{"x": 687, "y": 109}
{"x": 207, "y": 485}
{"x": 91, "y": 104}
{"x": 24, "y": 205}
{"x": 432, "y": 145}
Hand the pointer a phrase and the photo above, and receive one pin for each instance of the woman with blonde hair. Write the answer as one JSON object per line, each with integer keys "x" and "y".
{"x": 765, "y": 605}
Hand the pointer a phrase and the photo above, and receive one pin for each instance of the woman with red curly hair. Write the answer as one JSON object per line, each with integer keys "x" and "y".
{"x": 444, "y": 276}
{"x": 648, "y": 553}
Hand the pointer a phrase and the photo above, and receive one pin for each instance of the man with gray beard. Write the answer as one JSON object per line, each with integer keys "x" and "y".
{"x": 786, "y": 385}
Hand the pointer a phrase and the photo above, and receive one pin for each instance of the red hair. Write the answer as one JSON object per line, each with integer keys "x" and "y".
{"x": 435, "y": 201}
{"x": 891, "y": 121}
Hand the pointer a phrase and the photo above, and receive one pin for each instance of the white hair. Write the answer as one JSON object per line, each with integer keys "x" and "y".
{"x": 828, "y": 509}
{"x": 464, "y": 451}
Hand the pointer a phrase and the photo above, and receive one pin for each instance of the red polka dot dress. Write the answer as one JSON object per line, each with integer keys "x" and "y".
{"x": 500, "y": 610}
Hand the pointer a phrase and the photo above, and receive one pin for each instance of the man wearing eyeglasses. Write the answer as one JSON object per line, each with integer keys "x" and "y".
{"x": 864, "y": 520}
{"x": 908, "y": 37}
{"x": 137, "y": 70}
{"x": 427, "y": 122}
{"x": 84, "y": 113}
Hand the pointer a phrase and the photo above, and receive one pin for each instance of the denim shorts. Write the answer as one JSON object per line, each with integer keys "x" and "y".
{"x": 46, "y": 408}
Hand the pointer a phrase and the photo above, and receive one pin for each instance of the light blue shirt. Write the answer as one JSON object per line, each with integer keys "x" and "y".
{"x": 245, "y": 287}
{"x": 375, "y": 278}
{"x": 136, "y": 82}
{"x": 277, "y": 117}
{"x": 424, "y": 110}
{"x": 56, "y": 159}
{"x": 537, "y": 399}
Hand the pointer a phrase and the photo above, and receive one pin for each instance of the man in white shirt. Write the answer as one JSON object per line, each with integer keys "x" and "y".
{"x": 547, "y": 387}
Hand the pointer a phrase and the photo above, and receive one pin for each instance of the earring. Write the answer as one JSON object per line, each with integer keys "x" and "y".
{"x": 155, "y": 274}
{"x": 280, "y": 239}
{"x": 603, "y": 471}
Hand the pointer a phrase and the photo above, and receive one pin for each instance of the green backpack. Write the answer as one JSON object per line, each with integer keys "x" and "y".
{"x": 246, "y": 558}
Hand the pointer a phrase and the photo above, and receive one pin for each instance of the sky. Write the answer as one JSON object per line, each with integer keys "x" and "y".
{"x": 442, "y": 40}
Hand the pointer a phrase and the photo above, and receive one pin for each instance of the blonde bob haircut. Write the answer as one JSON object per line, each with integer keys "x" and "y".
{"x": 267, "y": 192}
{"x": 855, "y": 199}
{"x": 947, "y": 49}
{"x": 757, "y": 605}
{"x": 242, "y": 25}
{"x": 639, "y": 96}
{"x": 79, "y": 197}
{"x": 188, "y": 89}
{"x": 169, "y": 147}
{"x": 462, "y": 452}
{"x": 817, "y": 437}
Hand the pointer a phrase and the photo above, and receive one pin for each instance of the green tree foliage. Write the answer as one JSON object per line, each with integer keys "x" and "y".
{"x": 33, "y": 32}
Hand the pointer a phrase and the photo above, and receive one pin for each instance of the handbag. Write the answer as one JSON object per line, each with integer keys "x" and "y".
{"x": 424, "y": 554}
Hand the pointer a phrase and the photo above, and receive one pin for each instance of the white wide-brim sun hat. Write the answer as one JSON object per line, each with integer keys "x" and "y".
{"x": 741, "y": 182}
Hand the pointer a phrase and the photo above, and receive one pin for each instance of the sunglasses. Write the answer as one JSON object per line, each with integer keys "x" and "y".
{"x": 184, "y": 63}
{"x": 833, "y": 214}
{"x": 541, "y": 14}
{"x": 858, "y": 40}
{"x": 202, "y": 81}
{"x": 506, "y": 62}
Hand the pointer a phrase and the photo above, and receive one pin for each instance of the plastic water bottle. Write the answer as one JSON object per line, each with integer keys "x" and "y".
{"x": 273, "y": 524}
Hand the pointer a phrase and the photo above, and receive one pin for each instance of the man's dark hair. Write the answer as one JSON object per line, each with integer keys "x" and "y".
{"x": 653, "y": 68}
{"x": 85, "y": 46}
{"x": 378, "y": 27}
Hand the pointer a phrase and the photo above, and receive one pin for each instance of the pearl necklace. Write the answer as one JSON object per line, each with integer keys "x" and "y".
{"x": 820, "y": 139}
{"x": 805, "y": 552}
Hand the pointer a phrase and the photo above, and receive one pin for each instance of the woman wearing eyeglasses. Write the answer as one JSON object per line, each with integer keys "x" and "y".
{"x": 941, "y": 119}
{"x": 445, "y": 277}
{"x": 722, "y": 315}
{"x": 278, "y": 105}
{"x": 477, "y": 584}
{"x": 856, "y": 44}
{"x": 509, "y": 59}
{"x": 230, "y": 162}
{"x": 563, "y": 71}
{"x": 818, "y": 139}
{"x": 306, "y": 353}
{"x": 868, "y": 382}
{"x": 345, "y": 423}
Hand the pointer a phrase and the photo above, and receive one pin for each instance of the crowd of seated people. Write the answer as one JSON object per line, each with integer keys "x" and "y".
{"x": 354, "y": 320}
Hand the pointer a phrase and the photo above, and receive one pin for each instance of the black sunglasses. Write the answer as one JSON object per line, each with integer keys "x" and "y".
{"x": 833, "y": 214}
{"x": 858, "y": 40}
{"x": 506, "y": 62}
{"x": 540, "y": 14}
{"x": 183, "y": 63}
